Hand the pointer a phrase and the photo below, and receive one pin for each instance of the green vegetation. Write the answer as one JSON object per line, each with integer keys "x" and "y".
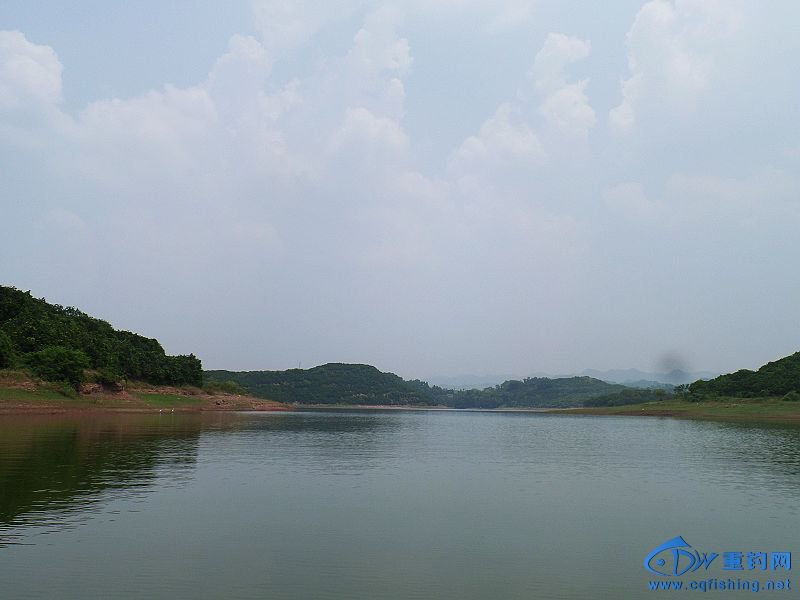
{"x": 58, "y": 343}
{"x": 766, "y": 410}
{"x": 56, "y": 363}
{"x": 22, "y": 395}
{"x": 776, "y": 378}
{"x": 328, "y": 384}
{"x": 535, "y": 392}
{"x": 770, "y": 394}
{"x": 224, "y": 387}
{"x": 628, "y": 396}
{"x": 7, "y": 354}
{"x": 67, "y": 347}
{"x": 338, "y": 383}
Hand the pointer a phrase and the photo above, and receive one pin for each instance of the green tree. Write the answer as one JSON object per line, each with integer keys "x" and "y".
{"x": 34, "y": 325}
{"x": 56, "y": 363}
{"x": 6, "y": 351}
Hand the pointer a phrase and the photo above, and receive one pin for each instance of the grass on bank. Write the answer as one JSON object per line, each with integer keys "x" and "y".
{"x": 47, "y": 395}
{"x": 21, "y": 390}
{"x": 770, "y": 409}
{"x": 38, "y": 395}
{"x": 21, "y": 387}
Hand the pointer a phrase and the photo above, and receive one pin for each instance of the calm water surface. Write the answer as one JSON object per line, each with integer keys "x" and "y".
{"x": 381, "y": 505}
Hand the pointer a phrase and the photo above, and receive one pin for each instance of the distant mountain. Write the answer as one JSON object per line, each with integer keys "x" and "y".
{"x": 628, "y": 377}
{"x": 531, "y": 392}
{"x": 775, "y": 378}
{"x": 338, "y": 383}
{"x": 469, "y": 382}
{"x": 635, "y": 377}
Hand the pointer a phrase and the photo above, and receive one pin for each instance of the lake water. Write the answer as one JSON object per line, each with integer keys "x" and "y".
{"x": 384, "y": 504}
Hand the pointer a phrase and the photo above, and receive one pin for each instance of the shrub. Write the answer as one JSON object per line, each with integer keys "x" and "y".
{"x": 792, "y": 396}
{"x": 56, "y": 363}
{"x": 226, "y": 387}
{"x": 63, "y": 388}
{"x": 107, "y": 377}
{"x": 6, "y": 351}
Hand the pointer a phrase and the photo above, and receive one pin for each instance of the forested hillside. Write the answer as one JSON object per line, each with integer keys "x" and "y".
{"x": 364, "y": 385}
{"x": 776, "y": 378}
{"x": 60, "y": 343}
{"x": 334, "y": 383}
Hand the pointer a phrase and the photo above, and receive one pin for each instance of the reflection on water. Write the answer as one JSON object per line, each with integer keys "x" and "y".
{"x": 52, "y": 466}
{"x": 329, "y": 441}
{"x": 378, "y": 504}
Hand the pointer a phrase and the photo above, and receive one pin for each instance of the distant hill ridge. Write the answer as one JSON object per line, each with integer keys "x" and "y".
{"x": 332, "y": 383}
{"x": 338, "y": 383}
{"x": 60, "y": 343}
{"x": 637, "y": 378}
{"x": 628, "y": 377}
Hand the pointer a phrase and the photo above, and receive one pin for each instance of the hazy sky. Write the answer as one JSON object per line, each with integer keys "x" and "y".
{"x": 434, "y": 187}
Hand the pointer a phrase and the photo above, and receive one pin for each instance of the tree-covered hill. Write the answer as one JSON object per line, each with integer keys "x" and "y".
{"x": 532, "y": 392}
{"x": 333, "y": 383}
{"x": 776, "y": 378}
{"x": 59, "y": 343}
{"x": 365, "y": 385}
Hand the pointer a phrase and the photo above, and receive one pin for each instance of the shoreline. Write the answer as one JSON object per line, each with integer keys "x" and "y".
{"x": 52, "y": 409}
{"x": 740, "y": 410}
{"x": 425, "y": 407}
{"x": 159, "y": 399}
{"x": 34, "y": 400}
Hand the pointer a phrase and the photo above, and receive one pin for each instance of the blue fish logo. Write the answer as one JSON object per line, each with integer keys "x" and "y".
{"x": 683, "y": 560}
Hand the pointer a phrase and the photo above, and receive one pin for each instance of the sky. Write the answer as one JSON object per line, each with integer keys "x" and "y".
{"x": 436, "y": 188}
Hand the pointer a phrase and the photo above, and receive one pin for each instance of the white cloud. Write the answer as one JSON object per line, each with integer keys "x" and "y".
{"x": 671, "y": 54}
{"x": 568, "y": 109}
{"x": 29, "y": 73}
{"x": 500, "y": 144}
{"x": 370, "y": 134}
{"x": 300, "y": 187}
{"x": 377, "y": 48}
{"x": 558, "y": 51}
{"x": 119, "y": 142}
{"x": 564, "y": 104}
{"x": 286, "y": 25}
{"x": 371, "y": 73}
{"x": 511, "y": 14}
{"x": 508, "y": 139}
{"x": 239, "y": 76}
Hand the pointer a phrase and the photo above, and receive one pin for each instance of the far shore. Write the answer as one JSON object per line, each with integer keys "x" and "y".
{"x": 755, "y": 410}
{"x": 28, "y": 398}
{"x": 414, "y": 407}
{"x": 763, "y": 410}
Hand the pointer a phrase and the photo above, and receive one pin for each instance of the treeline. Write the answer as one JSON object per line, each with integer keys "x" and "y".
{"x": 778, "y": 378}
{"x": 628, "y": 396}
{"x": 60, "y": 343}
{"x": 531, "y": 392}
{"x": 333, "y": 383}
{"x": 365, "y": 385}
